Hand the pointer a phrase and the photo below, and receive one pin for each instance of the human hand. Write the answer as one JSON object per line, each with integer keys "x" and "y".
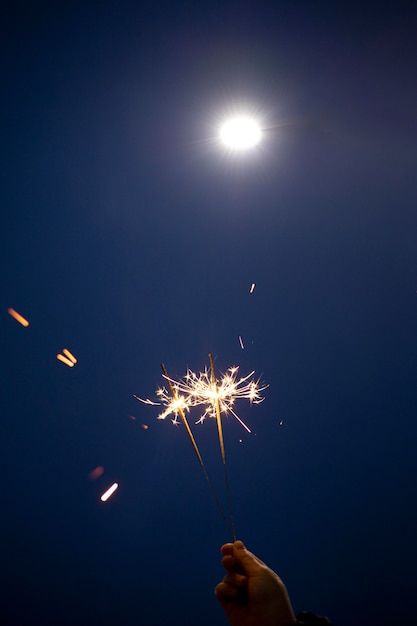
{"x": 251, "y": 594}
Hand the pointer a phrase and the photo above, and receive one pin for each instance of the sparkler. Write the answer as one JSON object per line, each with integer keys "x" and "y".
{"x": 202, "y": 390}
{"x": 216, "y": 403}
{"x": 217, "y": 397}
{"x": 178, "y": 404}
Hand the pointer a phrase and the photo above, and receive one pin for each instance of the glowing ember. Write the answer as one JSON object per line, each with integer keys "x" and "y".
{"x": 110, "y": 491}
{"x": 19, "y": 318}
{"x": 69, "y": 356}
{"x": 252, "y": 288}
{"x": 64, "y": 359}
{"x": 96, "y": 472}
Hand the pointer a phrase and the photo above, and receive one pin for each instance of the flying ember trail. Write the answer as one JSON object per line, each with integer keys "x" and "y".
{"x": 19, "y": 318}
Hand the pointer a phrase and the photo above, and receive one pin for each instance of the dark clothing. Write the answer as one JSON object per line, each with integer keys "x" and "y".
{"x": 309, "y": 619}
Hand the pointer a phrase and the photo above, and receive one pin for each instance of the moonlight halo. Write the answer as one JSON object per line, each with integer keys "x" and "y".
{"x": 240, "y": 133}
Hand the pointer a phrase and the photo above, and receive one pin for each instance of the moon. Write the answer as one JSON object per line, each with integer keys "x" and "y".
{"x": 240, "y": 133}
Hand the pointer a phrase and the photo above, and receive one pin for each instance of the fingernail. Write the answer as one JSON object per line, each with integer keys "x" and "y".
{"x": 239, "y": 545}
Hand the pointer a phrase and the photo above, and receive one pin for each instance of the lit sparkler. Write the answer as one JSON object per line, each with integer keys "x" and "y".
{"x": 216, "y": 397}
{"x": 196, "y": 390}
{"x": 201, "y": 390}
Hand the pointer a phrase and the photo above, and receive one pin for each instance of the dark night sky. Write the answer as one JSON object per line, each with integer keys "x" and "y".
{"x": 131, "y": 237}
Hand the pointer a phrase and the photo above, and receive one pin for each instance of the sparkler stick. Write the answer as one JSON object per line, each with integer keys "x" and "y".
{"x": 221, "y": 442}
{"x": 197, "y": 451}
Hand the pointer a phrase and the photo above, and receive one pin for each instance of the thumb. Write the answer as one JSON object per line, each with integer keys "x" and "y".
{"x": 248, "y": 562}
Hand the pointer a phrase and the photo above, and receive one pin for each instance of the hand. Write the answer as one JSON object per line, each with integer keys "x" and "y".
{"x": 251, "y": 594}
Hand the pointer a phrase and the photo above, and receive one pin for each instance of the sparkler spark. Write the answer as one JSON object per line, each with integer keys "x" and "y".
{"x": 199, "y": 390}
{"x": 19, "y": 318}
{"x": 69, "y": 359}
{"x": 64, "y": 359}
{"x": 96, "y": 472}
{"x": 110, "y": 491}
{"x": 147, "y": 401}
{"x": 252, "y": 288}
{"x": 70, "y": 356}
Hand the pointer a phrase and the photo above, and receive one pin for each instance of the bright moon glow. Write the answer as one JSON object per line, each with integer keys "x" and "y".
{"x": 240, "y": 133}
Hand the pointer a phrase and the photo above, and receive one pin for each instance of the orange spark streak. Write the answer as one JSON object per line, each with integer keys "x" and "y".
{"x": 96, "y": 472}
{"x": 110, "y": 491}
{"x": 69, "y": 355}
{"x": 63, "y": 359}
{"x": 19, "y": 318}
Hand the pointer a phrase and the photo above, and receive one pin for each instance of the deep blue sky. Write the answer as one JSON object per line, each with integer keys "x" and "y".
{"x": 132, "y": 238}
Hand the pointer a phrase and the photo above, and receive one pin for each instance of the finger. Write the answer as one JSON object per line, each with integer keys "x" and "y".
{"x": 229, "y": 563}
{"x": 227, "y": 548}
{"x": 247, "y": 562}
{"x": 225, "y": 592}
{"x": 235, "y": 579}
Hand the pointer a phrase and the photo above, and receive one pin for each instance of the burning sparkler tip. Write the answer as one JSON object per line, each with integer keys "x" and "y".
{"x": 217, "y": 396}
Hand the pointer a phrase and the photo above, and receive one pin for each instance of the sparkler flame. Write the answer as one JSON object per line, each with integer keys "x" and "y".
{"x": 199, "y": 390}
